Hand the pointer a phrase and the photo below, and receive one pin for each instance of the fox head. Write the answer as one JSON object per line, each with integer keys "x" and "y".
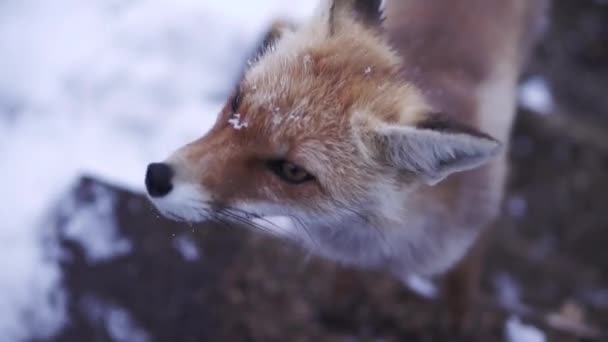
{"x": 321, "y": 137}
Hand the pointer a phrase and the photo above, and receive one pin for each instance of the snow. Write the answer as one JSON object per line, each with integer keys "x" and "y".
{"x": 422, "y": 286}
{"x": 93, "y": 226}
{"x": 102, "y": 87}
{"x": 187, "y": 248}
{"x": 120, "y": 325}
{"x": 508, "y": 291}
{"x": 236, "y": 123}
{"x": 516, "y": 331}
{"x": 535, "y": 95}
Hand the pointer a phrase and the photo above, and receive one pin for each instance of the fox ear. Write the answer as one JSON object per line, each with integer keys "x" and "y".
{"x": 435, "y": 148}
{"x": 367, "y": 12}
{"x": 270, "y": 38}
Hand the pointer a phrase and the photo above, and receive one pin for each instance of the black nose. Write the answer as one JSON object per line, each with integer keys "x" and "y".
{"x": 158, "y": 179}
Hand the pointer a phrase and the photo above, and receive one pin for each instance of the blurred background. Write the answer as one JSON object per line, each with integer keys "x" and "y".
{"x": 91, "y": 91}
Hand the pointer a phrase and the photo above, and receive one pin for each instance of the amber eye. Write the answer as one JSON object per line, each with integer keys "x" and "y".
{"x": 289, "y": 172}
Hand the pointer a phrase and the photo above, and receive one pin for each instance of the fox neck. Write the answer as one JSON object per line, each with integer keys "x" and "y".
{"x": 424, "y": 230}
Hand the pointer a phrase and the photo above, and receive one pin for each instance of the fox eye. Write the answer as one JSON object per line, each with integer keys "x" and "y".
{"x": 289, "y": 172}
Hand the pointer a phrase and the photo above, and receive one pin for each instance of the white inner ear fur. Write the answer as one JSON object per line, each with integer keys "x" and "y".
{"x": 434, "y": 155}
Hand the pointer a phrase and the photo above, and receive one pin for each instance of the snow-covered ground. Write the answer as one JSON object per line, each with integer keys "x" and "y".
{"x": 535, "y": 95}
{"x": 516, "y": 331}
{"x": 101, "y": 87}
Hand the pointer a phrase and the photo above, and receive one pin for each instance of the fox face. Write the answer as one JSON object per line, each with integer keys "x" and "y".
{"x": 323, "y": 143}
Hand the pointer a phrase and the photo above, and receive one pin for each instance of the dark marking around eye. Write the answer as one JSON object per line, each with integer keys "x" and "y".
{"x": 289, "y": 172}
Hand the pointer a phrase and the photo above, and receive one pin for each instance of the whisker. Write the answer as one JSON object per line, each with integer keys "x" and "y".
{"x": 245, "y": 221}
{"x": 218, "y": 220}
{"x": 230, "y": 215}
{"x": 249, "y": 216}
{"x": 300, "y": 224}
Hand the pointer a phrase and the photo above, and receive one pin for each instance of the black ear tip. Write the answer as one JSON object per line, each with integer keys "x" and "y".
{"x": 370, "y": 12}
{"x": 269, "y": 39}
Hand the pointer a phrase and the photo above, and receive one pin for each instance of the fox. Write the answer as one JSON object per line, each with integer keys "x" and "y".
{"x": 374, "y": 134}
